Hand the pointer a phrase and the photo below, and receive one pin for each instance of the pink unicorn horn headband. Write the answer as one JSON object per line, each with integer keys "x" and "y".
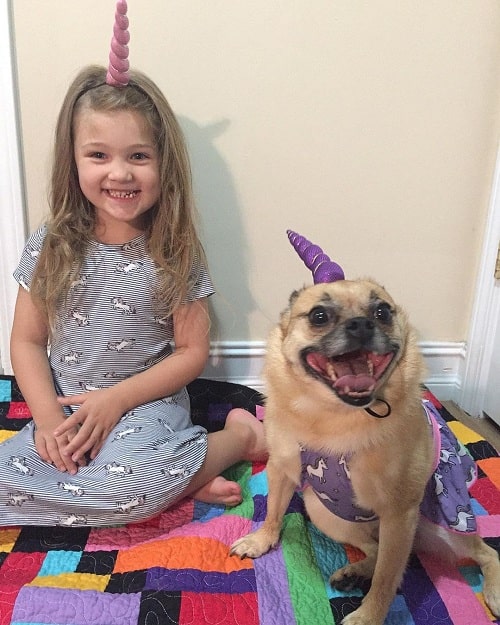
{"x": 117, "y": 75}
{"x": 323, "y": 269}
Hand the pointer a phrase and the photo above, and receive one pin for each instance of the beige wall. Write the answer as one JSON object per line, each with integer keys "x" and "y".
{"x": 370, "y": 126}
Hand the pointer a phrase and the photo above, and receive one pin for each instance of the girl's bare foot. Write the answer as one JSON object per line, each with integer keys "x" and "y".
{"x": 241, "y": 439}
{"x": 245, "y": 421}
{"x": 219, "y": 491}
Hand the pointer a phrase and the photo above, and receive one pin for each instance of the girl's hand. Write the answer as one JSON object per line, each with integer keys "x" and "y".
{"x": 51, "y": 447}
{"x": 98, "y": 414}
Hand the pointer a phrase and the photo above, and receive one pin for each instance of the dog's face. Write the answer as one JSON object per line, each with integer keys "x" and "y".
{"x": 348, "y": 335}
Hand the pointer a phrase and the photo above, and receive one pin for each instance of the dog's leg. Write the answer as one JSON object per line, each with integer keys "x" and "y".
{"x": 359, "y": 535}
{"x": 474, "y": 547}
{"x": 487, "y": 558}
{"x": 281, "y": 488}
{"x": 395, "y": 541}
{"x": 452, "y": 546}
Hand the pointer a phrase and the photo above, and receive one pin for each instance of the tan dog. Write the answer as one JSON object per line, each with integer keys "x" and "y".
{"x": 342, "y": 355}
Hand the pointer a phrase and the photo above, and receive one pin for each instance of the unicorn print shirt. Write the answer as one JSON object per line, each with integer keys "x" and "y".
{"x": 446, "y": 500}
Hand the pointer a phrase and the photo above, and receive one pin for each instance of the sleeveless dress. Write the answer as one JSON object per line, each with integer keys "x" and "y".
{"x": 111, "y": 327}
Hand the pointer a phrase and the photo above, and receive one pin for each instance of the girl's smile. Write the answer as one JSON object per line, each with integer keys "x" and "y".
{"x": 122, "y": 194}
{"x": 118, "y": 170}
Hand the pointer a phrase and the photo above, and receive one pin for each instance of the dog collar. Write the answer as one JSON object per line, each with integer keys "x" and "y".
{"x": 380, "y": 416}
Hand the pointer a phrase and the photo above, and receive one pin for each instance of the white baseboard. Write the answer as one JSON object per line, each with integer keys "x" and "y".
{"x": 445, "y": 364}
{"x": 241, "y": 363}
{"x": 238, "y": 362}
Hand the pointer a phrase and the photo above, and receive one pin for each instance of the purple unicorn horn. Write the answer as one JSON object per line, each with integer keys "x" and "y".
{"x": 323, "y": 269}
{"x": 117, "y": 75}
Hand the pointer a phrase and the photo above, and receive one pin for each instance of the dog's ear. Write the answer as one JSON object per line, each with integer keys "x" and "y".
{"x": 285, "y": 315}
{"x": 284, "y": 319}
{"x": 293, "y": 296}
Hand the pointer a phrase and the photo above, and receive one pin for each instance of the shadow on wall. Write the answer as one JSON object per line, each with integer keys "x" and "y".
{"x": 222, "y": 234}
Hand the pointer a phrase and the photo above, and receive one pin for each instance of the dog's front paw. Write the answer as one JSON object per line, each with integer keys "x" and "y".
{"x": 254, "y": 545}
{"x": 357, "y": 618}
{"x": 492, "y": 598}
{"x": 354, "y": 575}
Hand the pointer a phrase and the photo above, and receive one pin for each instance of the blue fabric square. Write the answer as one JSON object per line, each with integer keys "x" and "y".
{"x": 5, "y": 390}
{"x": 477, "y": 508}
{"x": 473, "y": 576}
{"x": 57, "y": 562}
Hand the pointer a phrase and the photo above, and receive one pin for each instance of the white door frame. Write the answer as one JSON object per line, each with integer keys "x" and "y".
{"x": 485, "y": 312}
{"x": 12, "y": 213}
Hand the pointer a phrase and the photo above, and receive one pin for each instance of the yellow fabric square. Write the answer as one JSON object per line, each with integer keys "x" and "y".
{"x": 463, "y": 433}
{"x": 8, "y": 539}
{"x": 5, "y": 435}
{"x": 78, "y": 581}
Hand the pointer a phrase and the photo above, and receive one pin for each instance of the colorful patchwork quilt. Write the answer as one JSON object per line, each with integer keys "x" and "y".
{"x": 176, "y": 567}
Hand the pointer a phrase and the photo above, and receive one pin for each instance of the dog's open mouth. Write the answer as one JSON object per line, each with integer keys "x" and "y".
{"x": 353, "y": 376}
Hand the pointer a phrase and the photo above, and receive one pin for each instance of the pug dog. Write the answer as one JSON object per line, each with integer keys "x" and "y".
{"x": 345, "y": 420}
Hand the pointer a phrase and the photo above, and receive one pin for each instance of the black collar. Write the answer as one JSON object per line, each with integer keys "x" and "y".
{"x": 380, "y": 416}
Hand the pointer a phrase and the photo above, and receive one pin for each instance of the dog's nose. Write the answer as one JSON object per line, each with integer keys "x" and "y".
{"x": 360, "y": 328}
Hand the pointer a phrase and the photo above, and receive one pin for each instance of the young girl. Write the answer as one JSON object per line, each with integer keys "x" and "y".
{"x": 110, "y": 283}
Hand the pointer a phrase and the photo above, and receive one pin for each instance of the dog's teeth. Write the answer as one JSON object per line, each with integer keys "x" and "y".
{"x": 330, "y": 369}
{"x": 370, "y": 366}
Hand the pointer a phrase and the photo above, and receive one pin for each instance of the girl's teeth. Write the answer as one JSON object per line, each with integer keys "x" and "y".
{"x": 122, "y": 194}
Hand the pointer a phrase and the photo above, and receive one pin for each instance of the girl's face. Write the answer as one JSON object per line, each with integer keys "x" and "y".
{"x": 118, "y": 170}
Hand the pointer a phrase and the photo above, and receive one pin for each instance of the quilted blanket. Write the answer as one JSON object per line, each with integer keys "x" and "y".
{"x": 176, "y": 568}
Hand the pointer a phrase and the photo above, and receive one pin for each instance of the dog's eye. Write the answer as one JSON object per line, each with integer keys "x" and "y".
{"x": 383, "y": 313}
{"x": 319, "y": 316}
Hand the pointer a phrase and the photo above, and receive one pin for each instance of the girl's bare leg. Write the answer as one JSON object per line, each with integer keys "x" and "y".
{"x": 241, "y": 439}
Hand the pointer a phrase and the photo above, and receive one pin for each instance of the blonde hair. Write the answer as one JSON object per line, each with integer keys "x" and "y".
{"x": 171, "y": 229}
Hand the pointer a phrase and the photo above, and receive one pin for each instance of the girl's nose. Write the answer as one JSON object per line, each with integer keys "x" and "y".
{"x": 120, "y": 171}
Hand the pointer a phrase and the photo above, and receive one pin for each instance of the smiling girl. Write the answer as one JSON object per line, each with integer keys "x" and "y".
{"x": 111, "y": 323}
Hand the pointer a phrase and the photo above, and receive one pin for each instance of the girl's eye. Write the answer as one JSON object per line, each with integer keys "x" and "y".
{"x": 139, "y": 156}
{"x": 98, "y": 155}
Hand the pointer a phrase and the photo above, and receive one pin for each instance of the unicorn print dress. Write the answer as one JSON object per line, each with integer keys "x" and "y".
{"x": 446, "y": 500}
{"x": 111, "y": 327}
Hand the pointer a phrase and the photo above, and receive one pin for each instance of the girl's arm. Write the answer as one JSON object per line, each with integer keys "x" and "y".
{"x": 101, "y": 410}
{"x": 28, "y": 352}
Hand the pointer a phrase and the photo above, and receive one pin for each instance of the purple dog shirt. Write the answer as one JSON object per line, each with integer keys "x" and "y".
{"x": 446, "y": 500}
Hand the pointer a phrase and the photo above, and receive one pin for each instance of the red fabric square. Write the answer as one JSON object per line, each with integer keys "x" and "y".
{"x": 258, "y": 467}
{"x": 431, "y": 397}
{"x": 487, "y": 494}
{"x": 18, "y": 410}
{"x": 17, "y": 570}
{"x": 20, "y": 568}
{"x": 8, "y": 596}
{"x": 237, "y": 609}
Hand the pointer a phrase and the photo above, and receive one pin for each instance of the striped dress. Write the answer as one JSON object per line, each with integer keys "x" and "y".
{"x": 111, "y": 327}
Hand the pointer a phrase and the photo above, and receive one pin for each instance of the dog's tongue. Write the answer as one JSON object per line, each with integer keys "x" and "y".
{"x": 357, "y": 383}
{"x": 352, "y": 374}
{"x": 347, "y": 373}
